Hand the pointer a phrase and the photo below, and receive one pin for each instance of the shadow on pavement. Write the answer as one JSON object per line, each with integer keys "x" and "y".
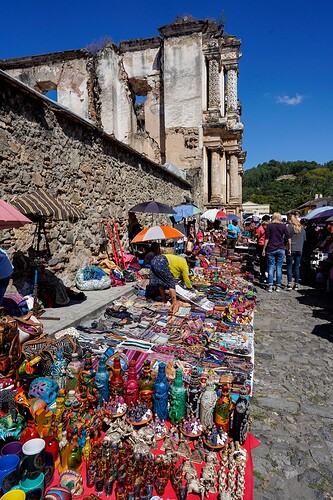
{"x": 322, "y": 303}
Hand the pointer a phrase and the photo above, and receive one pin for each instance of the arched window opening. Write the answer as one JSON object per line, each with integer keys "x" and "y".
{"x": 47, "y": 88}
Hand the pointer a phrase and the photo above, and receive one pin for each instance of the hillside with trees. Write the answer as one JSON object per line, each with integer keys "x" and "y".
{"x": 285, "y": 185}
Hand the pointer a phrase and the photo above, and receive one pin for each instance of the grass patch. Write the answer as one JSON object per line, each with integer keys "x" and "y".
{"x": 258, "y": 416}
{"x": 258, "y": 475}
{"x": 322, "y": 486}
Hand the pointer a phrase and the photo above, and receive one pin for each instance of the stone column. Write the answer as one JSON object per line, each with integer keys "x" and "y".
{"x": 231, "y": 91}
{"x": 214, "y": 99}
{"x": 211, "y": 51}
{"x": 216, "y": 177}
{"x": 234, "y": 178}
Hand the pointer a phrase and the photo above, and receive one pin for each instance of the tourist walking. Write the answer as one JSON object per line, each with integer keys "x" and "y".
{"x": 260, "y": 235}
{"x": 6, "y": 270}
{"x": 276, "y": 240}
{"x": 298, "y": 237}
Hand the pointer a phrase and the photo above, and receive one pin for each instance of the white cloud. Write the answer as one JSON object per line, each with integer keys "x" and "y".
{"x": 290, "y": 101}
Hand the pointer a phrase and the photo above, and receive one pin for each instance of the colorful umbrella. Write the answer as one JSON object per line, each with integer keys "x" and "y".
{"x": 213, "y": 214}
{"x": 319, "y": 213}
{"x": 10, "y": 217}
{"x": 41, "y": 205}
{"x": 232, "y": 217}
{"x": 157, "y": 233}
{"x": 152, "y": 207}
{"x": 185, "y": 210}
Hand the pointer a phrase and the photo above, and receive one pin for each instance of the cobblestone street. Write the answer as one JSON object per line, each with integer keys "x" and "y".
{"x": 292, "y": 405}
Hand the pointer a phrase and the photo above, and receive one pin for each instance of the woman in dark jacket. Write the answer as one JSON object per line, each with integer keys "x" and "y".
{"x": 276, "y": 239}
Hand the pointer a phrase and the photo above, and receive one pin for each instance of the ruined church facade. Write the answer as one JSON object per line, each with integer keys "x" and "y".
{"x": 172, "y": 98}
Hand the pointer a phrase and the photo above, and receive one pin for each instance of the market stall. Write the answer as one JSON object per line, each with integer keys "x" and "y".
{"x": 142, "y": 402}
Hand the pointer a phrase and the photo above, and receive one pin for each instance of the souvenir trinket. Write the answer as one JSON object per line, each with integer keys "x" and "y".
{"x": 58, "y": 369}
{"x": 116, "y": 407}
{"x": 146, "y": 384}
{"x": 116, "y": 379}
{"x": 207, "y": 404}
{"x": 87, "y": 378}
{"x": 138, "y": 414}
{"x": 73, "y": 371}
{"x": 191, "y": 427}
{"x": 198, "y": 455}
{"x": 240, "y": 421}
{"x": 177, "y": 394}
{"x": 160, "y": 396}
{"x": 45, "y": 389}
{"x": 131, "y": 392}
{"x": 159, "y": 427}
{"x": 214, "y": 437}
{"x": 193, "y": 394}
{"x": 184, "y": 449}
{"x": 73, "y": 481}
{"x": 102, "y": 380}
{"x": 223, "y": 409}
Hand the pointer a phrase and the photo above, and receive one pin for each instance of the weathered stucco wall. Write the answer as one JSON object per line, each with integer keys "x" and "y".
{"x": 172, "y": 98}
{"x": 44, "y": 146}
{"x": 66, "y": 73}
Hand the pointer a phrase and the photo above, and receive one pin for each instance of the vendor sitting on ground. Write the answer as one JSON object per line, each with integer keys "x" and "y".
{"x": 163, "y": 272}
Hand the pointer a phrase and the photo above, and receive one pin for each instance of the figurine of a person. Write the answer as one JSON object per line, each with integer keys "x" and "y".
{"x": 102, "y": 380}
{"x": 160, "y": 397}
{"x": 207, "y": 404}
{"x": 223, "y": 409}
{"x": 193, "y": 394}
{"x": 241, "y": 417}
{"x": 177, "y": 393}
{"x": 58, "y": 369}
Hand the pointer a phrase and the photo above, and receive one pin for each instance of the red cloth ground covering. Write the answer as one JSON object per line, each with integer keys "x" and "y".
{"x": 250, "y": 443}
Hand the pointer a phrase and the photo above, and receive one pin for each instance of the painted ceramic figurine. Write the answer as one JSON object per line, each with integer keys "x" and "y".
{"x": 116, "y": 379}
{"x": 131, "y": 385}
{"x": 58, "y": 369}
{"x": 74, "y": 369}
{"x": 207, "y": 404}
{"x": 177, "y": 394}
{"x": 102, "y": 380}
{"x": 193, "y": 394}
{"x": 87, "y": 377}
{"x": 146, "y": 384}
{"x": 240, "y": 422}
{"x": 223, "y": 409}
{"x": 160, "y": 397}
{"x": 44, "y": 388}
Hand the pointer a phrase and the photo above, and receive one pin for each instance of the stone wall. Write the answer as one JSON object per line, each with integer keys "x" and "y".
{"x": 173, "y": 98}
{"x": 43, "y": 145}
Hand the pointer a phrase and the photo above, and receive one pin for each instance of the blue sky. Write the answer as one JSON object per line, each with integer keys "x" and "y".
{"x": 286, "y": 71}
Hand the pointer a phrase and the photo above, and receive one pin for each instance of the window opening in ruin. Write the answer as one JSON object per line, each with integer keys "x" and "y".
{"x": 52, "y": 94}
{"x": 139, "y": 88}
{"x": 47, "y": 88}
{"x": 209, "y": 174}
{"x": 139, "y": 107}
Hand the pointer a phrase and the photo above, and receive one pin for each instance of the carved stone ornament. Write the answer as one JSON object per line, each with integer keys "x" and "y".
{"x": 213, "y": 83}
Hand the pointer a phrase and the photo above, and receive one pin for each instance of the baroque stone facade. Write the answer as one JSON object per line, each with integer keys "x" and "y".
{"x": 172, "y": 98}
{"x": 43, "y": 145}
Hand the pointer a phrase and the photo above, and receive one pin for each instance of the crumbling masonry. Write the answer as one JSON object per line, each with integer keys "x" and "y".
{"x": 171, "y": 98}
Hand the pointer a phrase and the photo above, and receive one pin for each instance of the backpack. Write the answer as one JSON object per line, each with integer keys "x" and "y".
{"x": 15, "y": 304}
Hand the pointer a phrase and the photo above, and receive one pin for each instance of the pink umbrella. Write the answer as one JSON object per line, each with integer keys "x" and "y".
{"x": 10, "y": 217}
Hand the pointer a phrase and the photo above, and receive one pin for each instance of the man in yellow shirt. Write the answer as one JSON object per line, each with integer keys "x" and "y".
{"x": 179, "y": 268}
